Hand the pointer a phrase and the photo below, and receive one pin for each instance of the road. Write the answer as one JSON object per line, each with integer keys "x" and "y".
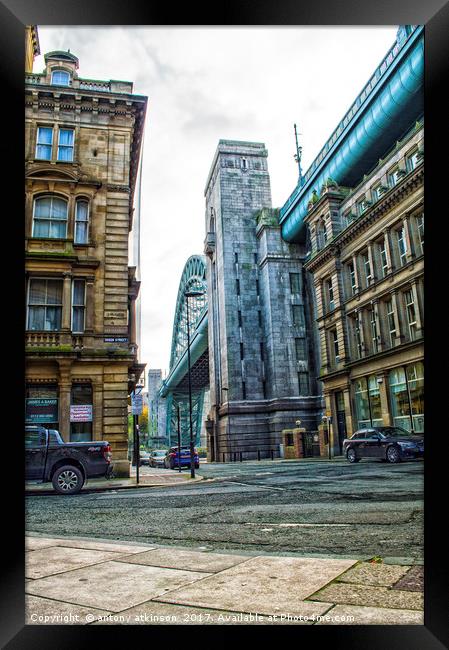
{"x": 308, "y": 507}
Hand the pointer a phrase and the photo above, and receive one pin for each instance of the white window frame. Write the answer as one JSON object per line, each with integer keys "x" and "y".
{"x": 393, "y": 177}
{"x": 367, "y": 266}
{"x": 352, "y": 280}
{"x": 383, "y": 256}
{"x": 390, "y": 321}
{"x": 77, "y": 202}
{"x": 58, "y": 71}
{"x": 66, "y": 221}
{"x": 335, "y": 346}
{"x": 413, "y": 160}
{"x": 420, "y": 230}
{"x": 374, "y": 332}
{"x": 78, "y": 306}
{"x": 66, "y": 146}
{"x": 402, "y": 245}
{"x": 30, "y": 280}
{"x": 51, "y": 128}
{"x": 330, "y": 294}
{"x": 410, "y": 310}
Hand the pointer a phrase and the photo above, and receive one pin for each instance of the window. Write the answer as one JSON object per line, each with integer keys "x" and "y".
{"x": 334, "y": 342}
{"x": 402, "y": 245}
{"x": 390, "y": 321}
{"x": 394, "y": 177}
{"x": 50, "y": 217}
{"x": 367, "y": 402}
{"x": 65, "y": 145}
{"x": 300, "y": 348}
{"x": 257, "y": 287}
{"x": 81, "y": 418}
{"x": 60, "y": 78}
{"x": 362, "y": 206}
{"x": 411, "y": 313}
{"x": 303, "y": 383}
{"x": 367, "y": 268}
{"x": 376, "y": 192}
{"x": 374, "y": 333}
{"x": 243, "y": 390}
{"x": 44, "y": 142}
{"x": 407, "y": 397}
{"x": 383, "y": 257}
{"x": 259, "y": 316}
{"x": 358, "y": 335}
{"x": 298, "y": 315}
{"x": 420, "y": 229}
{"x": 78, "y": 305}
{"x": 352, "y": 281}
{"x": 413, "y": 160}
{"x": 41, "y": 405}
{"x": 236, "y": 258}
{"x": 81, "y": 222}
{"x": 45, "y": 305}
{"x": 330, "y": 294}
{"x": 321, "y": 235}
{"x": 244, "y": 163}
{"x": 261, "y": 350}
{"x": 295, "y": 282}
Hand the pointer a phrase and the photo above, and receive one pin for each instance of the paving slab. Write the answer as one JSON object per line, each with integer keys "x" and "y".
{"x": 187, "y": 560}
{"x": 113, "y": 586}
{"x": 354, "y": 615}
{"x": 264, "y": 585}
{"x": 46, "y": 562}
{"x": 34, "y": 543}
{"x": 377, "y": 575}
{"x": 99, "y": 546}
{"x": 365, "y": 595}
{"x": 153, "y": 613}
{"x": 413, "y": 580}
{"x": 43, "y": 611}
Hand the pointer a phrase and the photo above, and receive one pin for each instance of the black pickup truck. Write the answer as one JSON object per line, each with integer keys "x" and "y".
{"x": 66, "y": 465}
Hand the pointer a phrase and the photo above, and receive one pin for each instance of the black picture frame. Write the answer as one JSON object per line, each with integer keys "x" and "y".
{"x": 14, "y": 15}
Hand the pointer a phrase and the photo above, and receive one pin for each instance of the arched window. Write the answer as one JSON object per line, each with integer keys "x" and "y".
{"x": 81, "y": 222}
{"x": 60, "y": 78}
{"x": 50, "y": 217}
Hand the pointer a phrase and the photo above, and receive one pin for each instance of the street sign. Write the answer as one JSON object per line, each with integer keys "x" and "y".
{"x": 136, "y": 403}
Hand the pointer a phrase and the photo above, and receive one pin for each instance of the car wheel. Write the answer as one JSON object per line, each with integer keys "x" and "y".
{"x": 350, "y": 455}
{"x": 68, "y": 480}
{"x": 393, "y": 455}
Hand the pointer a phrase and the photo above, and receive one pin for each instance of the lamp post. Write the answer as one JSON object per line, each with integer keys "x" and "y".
{"x": 190, "y": 294}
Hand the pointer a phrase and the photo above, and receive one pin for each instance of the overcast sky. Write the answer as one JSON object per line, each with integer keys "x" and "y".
{"x": 207, "y": 84}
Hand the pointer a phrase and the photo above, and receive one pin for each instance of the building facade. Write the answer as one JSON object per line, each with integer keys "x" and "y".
{"x": 83, "y": 142}
{"x": 262, "y": 357}
{"x": 157, "y": 409}
{"x": 367, "y": 261}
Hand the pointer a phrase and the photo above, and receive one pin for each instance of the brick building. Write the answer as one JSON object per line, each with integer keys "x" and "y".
{"x": 83, "y": 143}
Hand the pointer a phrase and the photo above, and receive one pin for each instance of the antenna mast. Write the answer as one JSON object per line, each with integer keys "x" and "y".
{"x": 297, "y": 156}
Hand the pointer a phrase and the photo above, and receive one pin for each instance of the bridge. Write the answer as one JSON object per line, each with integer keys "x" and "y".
{"x": 387, "y": 106}
{"x": 175, "y": 388}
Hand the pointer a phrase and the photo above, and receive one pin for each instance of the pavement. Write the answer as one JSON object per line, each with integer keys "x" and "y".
{"x": 82, "y": 581}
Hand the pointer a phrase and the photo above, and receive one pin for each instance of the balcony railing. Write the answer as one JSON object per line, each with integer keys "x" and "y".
{"x": 42, "y": 339}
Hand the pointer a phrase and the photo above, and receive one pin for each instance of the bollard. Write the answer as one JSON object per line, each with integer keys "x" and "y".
{"x": 272, "y": 454}
{"x": 240, "y": 456}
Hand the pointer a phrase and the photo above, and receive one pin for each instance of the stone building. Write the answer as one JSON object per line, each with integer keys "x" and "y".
{"x": 157, "y": 409}
{"x": 32, "y": 48}
{"x": 367, "y": 261}
{"x": 262, "y": 356}
{"x": 83, "y": 143}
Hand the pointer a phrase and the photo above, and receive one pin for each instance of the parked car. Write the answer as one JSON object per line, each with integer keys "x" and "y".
{"x": 66, "y": 464}
{"x": 144, "y": 457}
{"x": 174, "y": 459}
{"x": 391, "y": 444}
{"x": 157, "y": 458}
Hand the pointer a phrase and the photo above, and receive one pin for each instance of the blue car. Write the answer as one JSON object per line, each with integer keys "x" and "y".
{"x": 174, "y": 459}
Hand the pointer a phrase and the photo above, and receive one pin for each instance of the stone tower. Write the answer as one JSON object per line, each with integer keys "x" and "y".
{"x": 261, "y": 357}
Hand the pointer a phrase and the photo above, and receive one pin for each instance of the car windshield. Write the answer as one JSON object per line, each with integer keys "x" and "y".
{"x": 395, "y": 432}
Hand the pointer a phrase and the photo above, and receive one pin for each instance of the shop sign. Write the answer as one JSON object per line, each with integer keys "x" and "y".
{"x": 81, "y": 413}
{"x": 41, "y": 410}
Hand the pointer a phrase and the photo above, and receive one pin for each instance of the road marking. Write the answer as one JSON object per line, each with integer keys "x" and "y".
{"x": 249, "y": 523}
{"x": 256, "y": 485}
